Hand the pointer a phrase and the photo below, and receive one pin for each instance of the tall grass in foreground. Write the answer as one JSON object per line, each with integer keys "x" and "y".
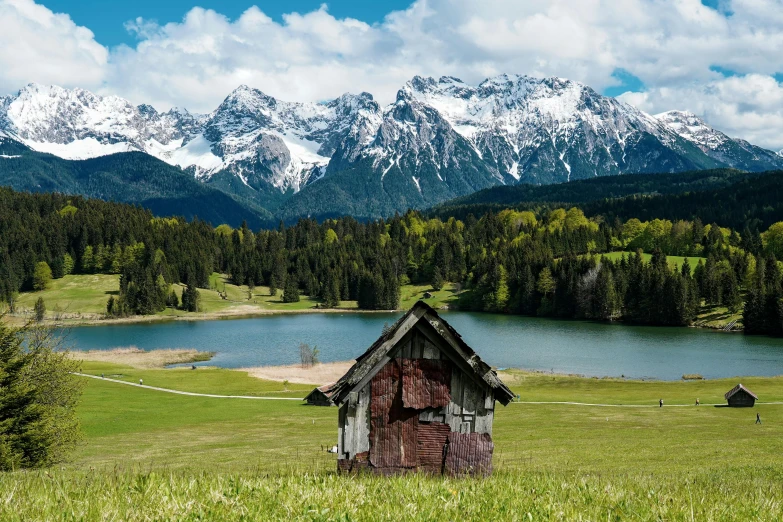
{"x": 749, "y": 493}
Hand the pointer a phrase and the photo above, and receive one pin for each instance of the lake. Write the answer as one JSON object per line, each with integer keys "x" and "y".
{"x": 593, "y": 349}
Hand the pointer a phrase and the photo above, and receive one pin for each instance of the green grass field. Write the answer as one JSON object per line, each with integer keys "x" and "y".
{"x": 85, "y": 296}
{"x": 73, "y": 294}
{"x": 150, "y": 455}
{"x": 674, "y": 261}
{"x": 448, "y": 295}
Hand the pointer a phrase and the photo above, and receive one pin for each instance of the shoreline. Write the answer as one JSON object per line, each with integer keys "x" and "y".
{"x": 88, "y": 319}
{"x": 329, "y": 372}
{"x": 98, "y": 320}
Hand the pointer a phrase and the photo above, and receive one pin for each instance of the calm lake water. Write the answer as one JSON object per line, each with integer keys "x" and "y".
{"x": 592, "y": 349}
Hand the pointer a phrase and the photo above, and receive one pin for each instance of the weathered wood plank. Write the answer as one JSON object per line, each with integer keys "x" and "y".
{"x": 484, "y": 423}
{"x": 362, "y": 422}
{"x": 472, "y": 396}
{"x": 489, "y": 400}
{"x": 341, "y": 449}
{"x": 454, "y": 421}
{"x": 430, "y": 351}
{"x": 455, "y": 407}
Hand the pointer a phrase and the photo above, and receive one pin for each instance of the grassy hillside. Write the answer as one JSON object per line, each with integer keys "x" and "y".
{"x": 83, "y": 297}
{"x": 673, "y": 261}
{"x": 152, "y": 455}
{"x": 74, "y": 294}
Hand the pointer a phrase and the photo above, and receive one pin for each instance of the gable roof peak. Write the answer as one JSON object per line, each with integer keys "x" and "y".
{"x": 377, "y": 355}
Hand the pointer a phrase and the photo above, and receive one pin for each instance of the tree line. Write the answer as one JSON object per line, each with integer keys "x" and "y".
{"x": 547, "y": 263}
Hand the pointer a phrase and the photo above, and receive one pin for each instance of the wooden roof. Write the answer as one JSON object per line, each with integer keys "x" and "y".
{"x": 377, "y": 355}
{"x": 326, "y": 389}
{"x": 737, "y": 388}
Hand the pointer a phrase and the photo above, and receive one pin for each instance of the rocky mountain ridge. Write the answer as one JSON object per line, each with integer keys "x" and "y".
{"x": 439, "y": 139}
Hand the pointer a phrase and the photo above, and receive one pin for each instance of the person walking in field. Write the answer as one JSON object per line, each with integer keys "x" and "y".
{"x": 697, "y": 401}
{"x": 758, "y": 419}
{"x": 660, "y": 403}
{"x": 141, "y": 382}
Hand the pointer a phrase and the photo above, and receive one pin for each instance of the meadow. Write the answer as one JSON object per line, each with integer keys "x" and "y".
{"x": 674, "y": 261}
{"x": 151, "y": 455}
{"x": 81, "y": 299}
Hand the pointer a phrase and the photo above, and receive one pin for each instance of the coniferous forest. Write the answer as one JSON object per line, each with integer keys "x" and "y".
{"x": 546, "y": 263}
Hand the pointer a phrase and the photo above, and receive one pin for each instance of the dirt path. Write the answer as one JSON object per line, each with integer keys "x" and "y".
{"x": 567, "y": 403}
{"x": 192, "y": 394}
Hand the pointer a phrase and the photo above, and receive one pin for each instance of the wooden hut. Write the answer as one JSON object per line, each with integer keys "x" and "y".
{"x": 321, "y": 396}
{"x": 740, "y": 396}
{"x": 419, "y": 399}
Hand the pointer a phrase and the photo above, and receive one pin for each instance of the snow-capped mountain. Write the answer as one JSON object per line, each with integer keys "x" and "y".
{"x": 734, "y": 152}
{"x": 551, "y": 130}
{"x": 251, "y": 135}
{"x": 439, "y": 139}
{"x": 264, "y": 140}
{"x": 77, "y": 124}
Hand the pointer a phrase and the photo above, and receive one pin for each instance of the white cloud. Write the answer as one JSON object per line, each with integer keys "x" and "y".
{"x": 749, "y": 106}
{"x": 673, "y": 46}
{"x": 37, "y": 45}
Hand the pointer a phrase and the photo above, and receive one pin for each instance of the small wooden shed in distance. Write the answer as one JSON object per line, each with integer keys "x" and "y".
{"x": 740, "y": 396}
{"x": 419, "y": 399}
{"x": 321, "y": 396}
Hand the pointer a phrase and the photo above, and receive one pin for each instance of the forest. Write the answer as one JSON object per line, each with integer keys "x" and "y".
{"x": 545, "y": 263}
{"x": 735, "y": 199}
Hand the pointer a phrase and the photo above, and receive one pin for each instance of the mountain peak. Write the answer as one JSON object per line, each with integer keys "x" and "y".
{"x": 442, "y": 136}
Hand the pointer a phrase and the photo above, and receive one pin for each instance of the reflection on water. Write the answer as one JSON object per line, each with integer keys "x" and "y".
{"x": 594, "y": 349}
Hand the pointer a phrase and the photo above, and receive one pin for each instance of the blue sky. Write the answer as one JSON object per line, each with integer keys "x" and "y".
{"x": 719, "y": 59}
{"x": 107, "y": 18}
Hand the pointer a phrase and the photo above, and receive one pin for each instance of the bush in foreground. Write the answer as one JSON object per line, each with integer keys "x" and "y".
{"x": 38, "y": 394}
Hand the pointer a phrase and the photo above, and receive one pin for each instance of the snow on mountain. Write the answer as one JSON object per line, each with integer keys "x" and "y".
{"x": 438, "y": 139}
{"x": 264, "y": 140}
{"x": 733, "y": 152}
{"x": 251, "y": 135}
{"x": 548, "y": 130}
{"x": 692, "y": 128}
{"x": 77, "y": 124}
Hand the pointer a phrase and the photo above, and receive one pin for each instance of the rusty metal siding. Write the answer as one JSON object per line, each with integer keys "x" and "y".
{"x": 358, "y": 463}
{"x": 425, "y": 383}
{"x": 392, "y": 427}
{"x": 431, "y": 442}
{"x": 422, "y": 412}
{"x": 469, "y": 453}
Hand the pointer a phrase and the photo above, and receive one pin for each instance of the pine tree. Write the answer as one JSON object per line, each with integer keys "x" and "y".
{"x": 172, "y": 301}
{"x": 607, "y": 305}
{"x": 291, "y": 291}
{"x": 191, "y": 299}
{"x": 39, "y": 310}
{"x": 38, "y": 422}
{"x": 68, "y": 264}
{"x": 437, "y": 279}
{"x": 730, "y": 294}
{"x": 88, "y": 261}
{"x": 331, "y": 292}
{"x": 527, "y": 292}
{"x": 42, "y": 276}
